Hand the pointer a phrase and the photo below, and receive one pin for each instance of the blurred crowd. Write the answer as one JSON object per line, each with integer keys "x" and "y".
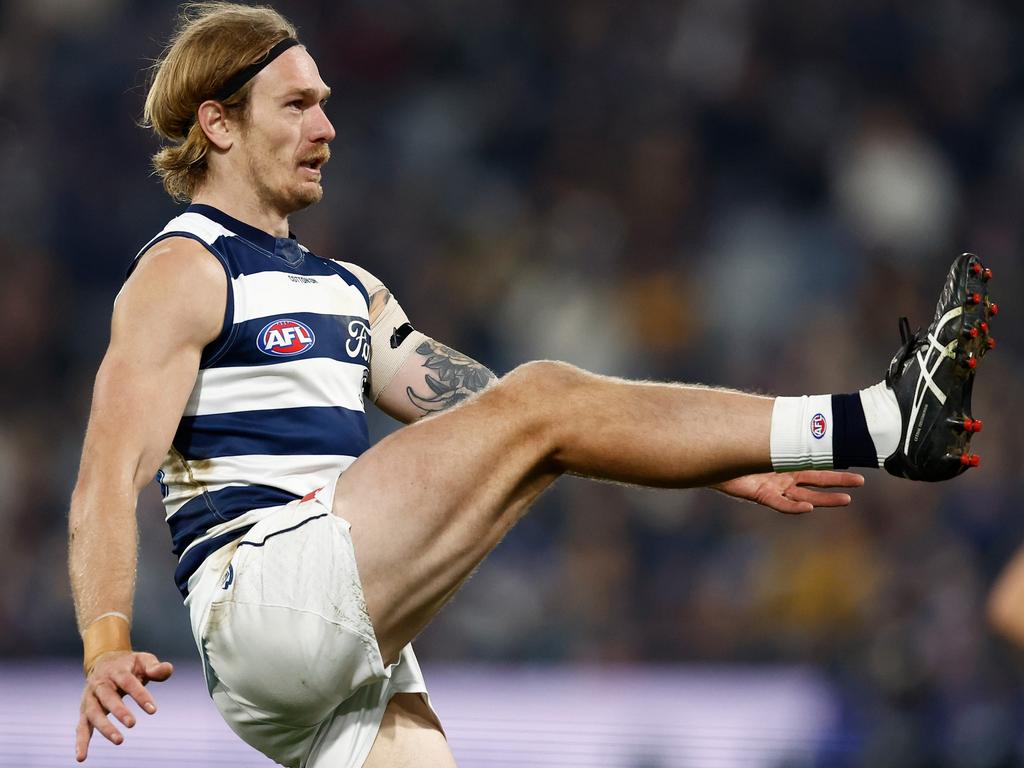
{"x": 736, "y": 192}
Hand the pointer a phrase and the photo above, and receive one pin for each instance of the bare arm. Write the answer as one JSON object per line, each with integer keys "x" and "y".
{"x": 433, "y": 379}
{"x": 412, "y": 376}
{"x": 1006, "y": 601}
{"x": 170, "y": 308}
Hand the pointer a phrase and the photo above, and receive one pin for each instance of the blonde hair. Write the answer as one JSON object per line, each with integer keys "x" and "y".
{"x": 211, "y": 42}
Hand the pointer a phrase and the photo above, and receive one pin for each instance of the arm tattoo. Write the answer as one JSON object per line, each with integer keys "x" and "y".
{"x": 455, "y": 378}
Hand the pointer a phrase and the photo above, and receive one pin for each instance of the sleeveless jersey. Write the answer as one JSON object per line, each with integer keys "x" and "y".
{"x": 277, "y": 407}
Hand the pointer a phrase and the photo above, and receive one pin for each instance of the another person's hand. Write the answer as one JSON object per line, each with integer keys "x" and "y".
{"x": 114, "y": 675}
{"x": 793, "y": 493}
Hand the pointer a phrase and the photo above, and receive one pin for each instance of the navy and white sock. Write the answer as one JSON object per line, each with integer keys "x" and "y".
{"x": 835, "y": 431}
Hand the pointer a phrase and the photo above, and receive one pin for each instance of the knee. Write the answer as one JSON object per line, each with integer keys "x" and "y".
{"x": 538, "y": 393}
{"x": 542, "y": 381}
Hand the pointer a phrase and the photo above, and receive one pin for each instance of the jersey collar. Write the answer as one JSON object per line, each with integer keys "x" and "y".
{"x": 286, "y": 248}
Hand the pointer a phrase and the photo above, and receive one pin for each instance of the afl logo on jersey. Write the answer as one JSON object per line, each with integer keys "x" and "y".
{"x": 284, "y": 338}
{"x": 818, "y": 425}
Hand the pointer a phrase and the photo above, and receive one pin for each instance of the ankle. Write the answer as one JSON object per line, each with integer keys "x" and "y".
{"x": 802, "y": 433}
{"x": 835, "y": 431}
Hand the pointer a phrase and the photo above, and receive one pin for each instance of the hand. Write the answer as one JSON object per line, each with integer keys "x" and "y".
{"x": 116, "y": 674}
{"x": 788, "y": 492}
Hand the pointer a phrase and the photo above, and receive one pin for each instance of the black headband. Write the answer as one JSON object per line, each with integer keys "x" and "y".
{"x": 243, "y": 76}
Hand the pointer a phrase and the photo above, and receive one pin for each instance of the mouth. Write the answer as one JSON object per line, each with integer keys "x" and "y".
{"x": 314, "y": 163}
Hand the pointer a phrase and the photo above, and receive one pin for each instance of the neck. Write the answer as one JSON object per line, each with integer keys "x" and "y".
{"x": 245, "y": 208}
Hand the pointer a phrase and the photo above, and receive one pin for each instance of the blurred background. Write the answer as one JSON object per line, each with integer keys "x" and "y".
{"x": 736, "y": 192}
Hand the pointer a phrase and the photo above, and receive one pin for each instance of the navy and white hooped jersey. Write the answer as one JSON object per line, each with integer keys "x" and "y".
{"x": 277, "y": 407}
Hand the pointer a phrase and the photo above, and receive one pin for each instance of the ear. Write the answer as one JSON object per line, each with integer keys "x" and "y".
{"x": 213, "y": 119}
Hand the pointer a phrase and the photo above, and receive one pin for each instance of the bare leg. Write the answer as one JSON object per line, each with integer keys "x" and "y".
{"x": 409, "y": 737}
{"x": 430, "y": 501}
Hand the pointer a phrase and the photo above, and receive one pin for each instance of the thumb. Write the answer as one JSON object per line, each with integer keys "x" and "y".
{"x": 159, "y": 671}
{"x": 150, "y": 667}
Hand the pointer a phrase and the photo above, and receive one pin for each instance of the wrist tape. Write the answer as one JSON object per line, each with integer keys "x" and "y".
{"x": 110, "y": 632}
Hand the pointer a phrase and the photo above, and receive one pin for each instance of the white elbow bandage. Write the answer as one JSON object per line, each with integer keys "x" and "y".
{"x": 392, "y": 338}
{"x": 392, "y": 341}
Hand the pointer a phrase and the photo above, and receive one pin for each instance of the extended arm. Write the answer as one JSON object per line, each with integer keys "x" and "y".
{"x": 169, "y": 309}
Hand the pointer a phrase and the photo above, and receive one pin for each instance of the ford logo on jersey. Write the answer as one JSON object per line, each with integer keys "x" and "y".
{"x": 284, "y": 338}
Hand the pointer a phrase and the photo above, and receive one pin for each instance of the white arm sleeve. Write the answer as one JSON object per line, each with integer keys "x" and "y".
{"x": 392, "y": 337}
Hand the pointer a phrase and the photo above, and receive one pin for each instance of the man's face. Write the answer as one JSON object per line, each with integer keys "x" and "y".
{"x": 284, "y": 142}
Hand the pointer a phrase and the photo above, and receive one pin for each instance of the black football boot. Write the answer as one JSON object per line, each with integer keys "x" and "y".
{"x": 933, "y": 374}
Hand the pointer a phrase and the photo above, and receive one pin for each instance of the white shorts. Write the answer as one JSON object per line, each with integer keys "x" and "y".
{"x": 290, "y": 657}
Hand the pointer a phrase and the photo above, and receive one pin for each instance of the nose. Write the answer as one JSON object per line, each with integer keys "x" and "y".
{"x": 321, "y": 129}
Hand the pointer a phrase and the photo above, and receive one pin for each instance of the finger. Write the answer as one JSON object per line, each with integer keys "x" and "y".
{"x": 827, "y": 478}
{"x": 819, "y": 498}
{"x": 787, "y": 505}
{"x": 149, "y": 667}
{"x": 83, "y": 733}
{"x": 113, "y": 703}
{"x": 159, "y": 671}
{"x": 131, "y": 686}
{"x": 98, "y": 719}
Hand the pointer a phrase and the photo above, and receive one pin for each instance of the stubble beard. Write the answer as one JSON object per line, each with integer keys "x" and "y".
{"x": 284, "y": 198}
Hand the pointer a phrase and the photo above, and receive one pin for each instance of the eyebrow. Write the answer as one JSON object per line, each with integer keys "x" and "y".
{"x": 307, "y": 93}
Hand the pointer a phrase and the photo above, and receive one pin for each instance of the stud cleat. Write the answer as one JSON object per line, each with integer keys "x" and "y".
{"x": 970, "y": 460}
{"x": 970, "y": 425}
{"x": 993, "y": 309}
{"x": 986, "y": 275}
{"x": 990, "y": 343}
{"x": 932, "y": 377}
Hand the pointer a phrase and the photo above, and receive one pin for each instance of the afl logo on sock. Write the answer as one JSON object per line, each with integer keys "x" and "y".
{"x": 818, "y": 425}
{"x": 284, "y": 338}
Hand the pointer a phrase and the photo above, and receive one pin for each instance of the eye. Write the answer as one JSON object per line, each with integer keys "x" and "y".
{"x": 295, "y": 104}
